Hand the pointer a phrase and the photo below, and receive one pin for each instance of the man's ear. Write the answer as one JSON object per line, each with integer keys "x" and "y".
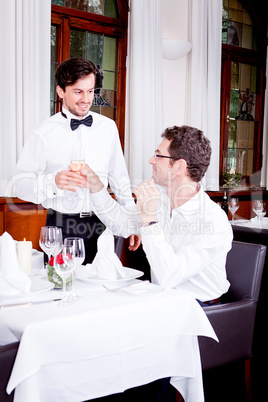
{"x": 181, "y": 166}
{"x": 60, "y": 91}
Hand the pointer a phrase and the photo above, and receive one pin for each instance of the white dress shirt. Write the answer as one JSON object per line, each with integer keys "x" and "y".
{"x": 50, "y": 150}
{"x": 186, "y": 249}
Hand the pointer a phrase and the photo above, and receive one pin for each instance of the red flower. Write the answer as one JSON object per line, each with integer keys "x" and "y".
{"x": 59, "y": 259}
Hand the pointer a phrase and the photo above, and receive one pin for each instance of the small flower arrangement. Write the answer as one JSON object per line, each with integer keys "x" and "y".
{"x": 53, "y": 277}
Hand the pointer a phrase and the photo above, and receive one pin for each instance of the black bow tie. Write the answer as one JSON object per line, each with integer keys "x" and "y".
{"x": 75, "y": 123}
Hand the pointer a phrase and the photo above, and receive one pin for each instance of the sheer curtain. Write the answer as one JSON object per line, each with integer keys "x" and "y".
{"x": 205, "y": 77}
{"x": 144, "y": 111}
{"x": 25, "y": 76}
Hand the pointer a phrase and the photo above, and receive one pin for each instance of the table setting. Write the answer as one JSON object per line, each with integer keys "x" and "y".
{"x": 257, "y": 222}
{"x": 14, "y": 282}
{"x": 119, "y": 333}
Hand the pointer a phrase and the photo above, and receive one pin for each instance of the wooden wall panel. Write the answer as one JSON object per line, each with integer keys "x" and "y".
{"x": 1, "y": 221}
{"x": 25, "y": 224}
{"x": 246, "y": 199}
{"x": 22, "y": 219}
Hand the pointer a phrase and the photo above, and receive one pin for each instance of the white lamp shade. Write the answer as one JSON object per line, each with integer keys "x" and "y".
{"x": 174, "y": 49}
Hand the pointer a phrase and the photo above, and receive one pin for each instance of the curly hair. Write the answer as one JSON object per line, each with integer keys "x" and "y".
{"x": 190, "y": 144}
{"x": 71, "y": 70}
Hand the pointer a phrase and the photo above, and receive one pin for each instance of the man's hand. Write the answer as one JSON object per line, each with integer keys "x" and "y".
{"x": 69, "y": 180}
{"x": 134, "y": 242}
{"x": 147, "y": 201}
{"x": 92, "y": 180}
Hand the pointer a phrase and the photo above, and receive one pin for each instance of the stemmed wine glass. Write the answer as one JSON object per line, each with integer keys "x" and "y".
{"x": 233, "y": 206}
{"x": 258, "y": 209}
{"x": 76, "y": 249}
{"x": 50, "y": 240}
{"x": 64, "y": 266}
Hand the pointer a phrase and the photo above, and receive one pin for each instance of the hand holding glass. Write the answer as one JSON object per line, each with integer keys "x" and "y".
{"x": 77, "y": 163}
{"x": 233, "y": 206}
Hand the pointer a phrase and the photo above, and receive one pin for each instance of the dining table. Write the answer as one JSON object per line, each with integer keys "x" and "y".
{"x": 109, "y": 340}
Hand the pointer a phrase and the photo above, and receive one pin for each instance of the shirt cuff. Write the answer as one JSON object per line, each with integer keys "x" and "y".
{"x": 47, "y": 187}
{"x": 101, "y": 199}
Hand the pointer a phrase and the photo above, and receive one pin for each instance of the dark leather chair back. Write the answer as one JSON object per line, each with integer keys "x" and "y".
{"x": 244, "y": 266}
{"x": 233, "y": 321}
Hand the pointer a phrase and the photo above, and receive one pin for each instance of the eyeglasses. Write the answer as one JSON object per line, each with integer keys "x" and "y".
{"x": 162, "y": 156}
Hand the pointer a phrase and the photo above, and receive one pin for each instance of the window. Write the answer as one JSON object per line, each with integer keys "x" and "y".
{"x": 96, "y": 30}
{"x": 108, "y": 8}
{"x": 243, "y": 69}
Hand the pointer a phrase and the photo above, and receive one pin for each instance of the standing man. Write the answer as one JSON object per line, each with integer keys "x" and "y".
{"x": 185, "y": 235}
{"x": 44, "y": 173}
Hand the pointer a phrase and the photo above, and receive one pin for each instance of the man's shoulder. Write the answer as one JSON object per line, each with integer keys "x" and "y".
{"x": 215, "y": 212}
{"x": 50, "y": 123}
{"x": 100, "y": 118}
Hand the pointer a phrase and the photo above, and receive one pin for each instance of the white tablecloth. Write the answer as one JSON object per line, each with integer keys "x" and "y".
{"x": 252, "y": 223}
{"x": 105, "y": 343}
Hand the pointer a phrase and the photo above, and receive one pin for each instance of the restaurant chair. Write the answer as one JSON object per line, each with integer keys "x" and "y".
{"x": 233, "y": 320}
{"x": 7, "y": 358}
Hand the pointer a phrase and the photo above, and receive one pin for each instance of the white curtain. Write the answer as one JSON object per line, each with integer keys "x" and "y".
{"x": 144, "y": 110}
{"x": 205, "y": 77}
{"x": 25, "y": 76}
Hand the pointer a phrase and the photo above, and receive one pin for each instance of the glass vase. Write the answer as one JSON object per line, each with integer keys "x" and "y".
{"x": 232, "y": 167}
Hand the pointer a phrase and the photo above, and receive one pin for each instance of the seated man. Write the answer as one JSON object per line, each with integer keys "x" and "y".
{"x": 185, "y": 235}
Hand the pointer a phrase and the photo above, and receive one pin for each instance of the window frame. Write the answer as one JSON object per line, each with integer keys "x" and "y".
{"x": 66, "y": 19}
{"x": 256, "y": 58}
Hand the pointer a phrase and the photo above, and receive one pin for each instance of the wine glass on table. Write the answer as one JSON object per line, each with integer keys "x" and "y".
{"x": 258, "y": 209}
{"x": 233, "y": 206}
{"x": 76, "y": 248}
{"x": 64, "y": 266}
{"x": 50, "y": 240}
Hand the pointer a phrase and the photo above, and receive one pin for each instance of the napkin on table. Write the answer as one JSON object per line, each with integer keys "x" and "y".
{"x": 13, "y": 280}
{"x": 106, "y": 262}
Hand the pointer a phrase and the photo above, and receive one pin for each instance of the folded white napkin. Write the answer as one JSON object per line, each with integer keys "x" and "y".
{"x": 37, "y": 260}
{"x": 13, "y": 280}
{"x": 106, "y": 262}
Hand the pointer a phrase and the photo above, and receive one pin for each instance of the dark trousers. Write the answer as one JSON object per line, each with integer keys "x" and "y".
{"x": 207, "y": 304}
{"x": 88, "y": 228}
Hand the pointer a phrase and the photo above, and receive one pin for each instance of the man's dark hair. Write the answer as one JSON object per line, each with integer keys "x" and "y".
{"x": 71, "y": 70}
{"x": 190, "y": 144}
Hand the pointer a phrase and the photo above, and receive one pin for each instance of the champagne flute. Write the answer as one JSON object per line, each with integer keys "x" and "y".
{"x": 233, "y": 206}
{"x": 64, "y": 266}
{"x": 76, "y": 249}
{"x": 77, "y": 163}
{"x": 50, "y": 240}
{"x": 258, "y": 209}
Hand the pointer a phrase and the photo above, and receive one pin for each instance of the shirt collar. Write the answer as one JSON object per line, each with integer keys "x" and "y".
{"x": 70, "y": 116}
{"x": 191, "y": 206}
